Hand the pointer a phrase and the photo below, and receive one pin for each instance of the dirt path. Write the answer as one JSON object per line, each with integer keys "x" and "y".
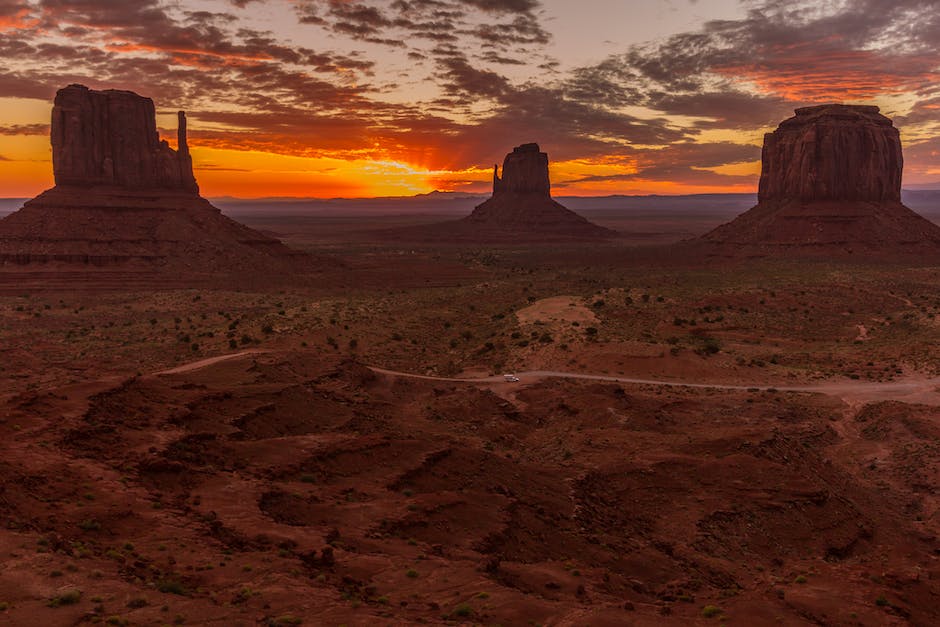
{"x": 205, "y": 363}
{"x": 911, "y": 390}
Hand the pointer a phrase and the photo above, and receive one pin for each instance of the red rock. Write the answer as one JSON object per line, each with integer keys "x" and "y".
{"x": 522, "y": 203}
{"x": 830, "y": 185}
{"x": 124, "y": 197}
{"x": 833, "y": 152}
{"x": 110, "y": 138}
{"x": 525, "y": 171}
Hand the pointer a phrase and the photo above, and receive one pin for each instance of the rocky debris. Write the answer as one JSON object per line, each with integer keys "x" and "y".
{"x": 830, "y": 185}
{"x": 124, "y": 197}
{"x": 110, "y": 138}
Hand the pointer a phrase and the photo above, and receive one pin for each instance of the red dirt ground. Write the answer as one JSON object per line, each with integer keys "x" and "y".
{"x": 285, "y": 485}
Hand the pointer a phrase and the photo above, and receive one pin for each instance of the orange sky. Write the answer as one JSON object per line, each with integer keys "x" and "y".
{"x": 358, "y": 98}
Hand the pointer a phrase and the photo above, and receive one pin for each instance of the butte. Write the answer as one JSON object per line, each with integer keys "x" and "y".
{"x": 124, "y": 199}
{"x": 830, "y": 186}
{"x": 520, "y": 210}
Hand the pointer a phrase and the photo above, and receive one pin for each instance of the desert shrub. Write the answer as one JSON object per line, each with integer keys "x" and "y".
{"x": 69, "y": 597}
{"x": 412, "y": 573}
{"x": 711, "y": 611}
{"x": 710, "y": 346}
{"x": 463, "y": 610}
{"x": 171, "y": 586}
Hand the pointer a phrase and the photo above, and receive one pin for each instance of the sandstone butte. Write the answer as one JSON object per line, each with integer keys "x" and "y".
{"x": 830, "y": 184}
{"x": 124, "y": 198}
{"x": 522, "y": 203}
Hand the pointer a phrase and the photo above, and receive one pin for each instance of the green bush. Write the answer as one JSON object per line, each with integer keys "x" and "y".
{"x": 711, "y": 611}
{"x": 69, "y": 597}
{"x": 463, "y": 610}
{"x": 171, "y": 586}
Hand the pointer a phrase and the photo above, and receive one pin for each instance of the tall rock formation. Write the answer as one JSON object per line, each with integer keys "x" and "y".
{"x": 525, "y": 171}
{"x": 833, "y": 153}
{"x": 125, "y": 197}
{"x": 522, "y": 203}
{"x": 830, "y": 184}
{"x": 110, "y": 138}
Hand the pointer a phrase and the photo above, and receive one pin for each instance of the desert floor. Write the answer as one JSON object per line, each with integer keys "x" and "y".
{"x": 694, "y": 441}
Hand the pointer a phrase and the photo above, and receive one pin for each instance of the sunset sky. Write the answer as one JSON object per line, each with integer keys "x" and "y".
{"x": 358, "y": 98}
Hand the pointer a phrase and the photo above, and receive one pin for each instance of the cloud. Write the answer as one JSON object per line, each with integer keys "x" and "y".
{"x": 676, "y": 109}
{"x": 24, "y": 129}
{"x": 495, "y": 24}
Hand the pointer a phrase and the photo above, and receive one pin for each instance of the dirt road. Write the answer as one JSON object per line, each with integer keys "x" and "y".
{"x": 915, "y": 390}
{"x": 205, "y": 363}
{"x": 925, "y": 390}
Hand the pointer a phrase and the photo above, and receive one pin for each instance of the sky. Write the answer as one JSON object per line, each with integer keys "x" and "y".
{"x": 362, "y": 98}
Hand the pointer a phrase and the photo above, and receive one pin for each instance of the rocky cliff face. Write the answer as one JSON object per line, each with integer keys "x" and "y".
{"x": 525, "y": 171}
{"x": 830, "y": 185}
{"x": 833, "y": 153}
{"x": 123, "y": 198}
{"x": 109, "y": 138}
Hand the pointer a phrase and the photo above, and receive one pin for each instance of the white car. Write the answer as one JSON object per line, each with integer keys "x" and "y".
{"x": 511, "y": 378}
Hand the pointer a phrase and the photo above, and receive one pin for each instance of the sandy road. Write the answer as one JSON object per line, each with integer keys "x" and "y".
{"x": 205, "y": 363}
{"x": 913, "y": 389}
{"x": 922, "y": 390}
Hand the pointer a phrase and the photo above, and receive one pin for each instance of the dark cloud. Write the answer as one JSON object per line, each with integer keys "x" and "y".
{"x": 24, "y": 129}
{"x": 252, "y": 90}
{"x": 684, "y": 162}
{"x": 500, "y": 24}
{"x": 744, "y": 73}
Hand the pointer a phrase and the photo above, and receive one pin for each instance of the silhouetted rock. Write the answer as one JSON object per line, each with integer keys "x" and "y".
{"x": 830, "y": 185}
{"x": 522, "y": 203}
{"x": 525, "y": 171}
{"x": 124, "y": 197}
{"x": 110, "y": 138}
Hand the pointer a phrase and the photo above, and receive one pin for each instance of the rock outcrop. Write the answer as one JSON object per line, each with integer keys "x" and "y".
{"x": 525, "y": 171}
{"x": 125, "y": 198}
{"x": 110, "y": 138}
{"x": 522, "y": 203}
{"x": 831, "y": 185}
{"x": 833, "y": 153}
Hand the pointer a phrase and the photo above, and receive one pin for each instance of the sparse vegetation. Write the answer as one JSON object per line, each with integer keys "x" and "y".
{"x": 69, "y": 597}
{"x": 711, "y": 611}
